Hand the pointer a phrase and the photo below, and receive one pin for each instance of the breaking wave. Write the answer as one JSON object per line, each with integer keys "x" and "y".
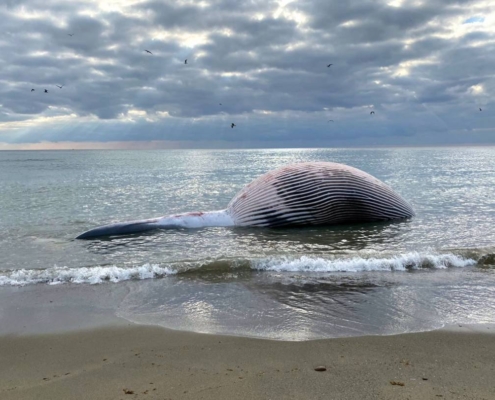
{"x": 101, "y": 274}
{"x": 400, "y": 262}
{"x": 91, "y": 275}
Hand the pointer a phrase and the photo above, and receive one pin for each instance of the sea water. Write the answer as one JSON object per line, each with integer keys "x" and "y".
{"x": 292, "y": 284}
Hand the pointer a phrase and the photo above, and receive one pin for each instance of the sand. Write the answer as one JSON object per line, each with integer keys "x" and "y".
{"x": 139, "y": 362}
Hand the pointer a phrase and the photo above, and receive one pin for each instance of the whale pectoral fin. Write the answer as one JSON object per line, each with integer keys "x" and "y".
{"x": 121, "y": 228}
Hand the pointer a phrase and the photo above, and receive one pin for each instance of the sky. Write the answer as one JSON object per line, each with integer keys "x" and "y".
{"x": 425, "y": 68}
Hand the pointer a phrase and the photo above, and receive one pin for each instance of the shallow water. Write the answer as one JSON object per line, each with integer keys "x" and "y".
{"x": 293, "y": 284}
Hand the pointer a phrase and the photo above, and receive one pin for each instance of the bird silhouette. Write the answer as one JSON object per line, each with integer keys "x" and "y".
{"x": 232, "y": 125}
{"x": 46, "y": 91}
{"x": 329, "y": 120}
{"x": 32, "y": 90}
{"x": 329, "y": 65}
{"x": 60, "y": 87}
{"x": 480, "y": 108}
{"x": 219, "y": 104}
{"x": 372, "y": 112}
{"x": 185, "y": 61}
{"x": 70, "y": 34}
{"x": 147, "y": 51}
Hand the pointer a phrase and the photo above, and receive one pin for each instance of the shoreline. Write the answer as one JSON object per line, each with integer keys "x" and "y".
{"x": 137, "y": 361}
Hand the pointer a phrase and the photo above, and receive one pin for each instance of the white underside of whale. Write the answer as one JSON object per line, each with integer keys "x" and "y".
{"x": 196, "y": 220}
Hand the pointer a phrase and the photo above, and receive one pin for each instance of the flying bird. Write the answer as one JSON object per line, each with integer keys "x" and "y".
{"x": 232, "y": 125}
{"x": 147, "y": 51}
{"x": 60, "y": 87}
{"x": 185, "y": 61}
{"x": 480, "y": 108}
{"x": 329, "y": 120}
{"x": 219, "y": 104}
{"x": 329, "y": 65}
{"x": 372, "y": 112}
{"x": 70, "y": 34}
{"x": 32, "y": 90}
{"x": 46, "y": 91}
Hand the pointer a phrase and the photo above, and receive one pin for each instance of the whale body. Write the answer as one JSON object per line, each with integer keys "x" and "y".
{"x": 309, "y": 193}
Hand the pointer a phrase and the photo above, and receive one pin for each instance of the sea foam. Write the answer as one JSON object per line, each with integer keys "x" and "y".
{"x": 400, "y": 262}
{"x": 91, "y": 275}
{"x": 98, "y": 274}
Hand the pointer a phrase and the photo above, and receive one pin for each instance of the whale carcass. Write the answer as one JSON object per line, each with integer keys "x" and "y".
{"x": 309, "y": 193}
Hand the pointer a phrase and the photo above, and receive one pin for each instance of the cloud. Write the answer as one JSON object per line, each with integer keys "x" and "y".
{"x": 415, "y": 64}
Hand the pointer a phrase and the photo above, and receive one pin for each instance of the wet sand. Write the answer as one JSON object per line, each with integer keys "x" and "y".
{"x": 140, "y": 362}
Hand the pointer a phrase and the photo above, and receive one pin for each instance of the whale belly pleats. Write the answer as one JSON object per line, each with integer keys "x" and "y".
{"x": 316, "y": 194}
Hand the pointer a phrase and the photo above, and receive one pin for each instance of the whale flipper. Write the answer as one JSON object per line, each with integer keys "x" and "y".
{"x": 189, "y": 220}
{"x": 121, "y": 228}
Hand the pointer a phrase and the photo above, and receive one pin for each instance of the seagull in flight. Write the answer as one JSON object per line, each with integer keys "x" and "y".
{"x": 32, "y": 90}
{"x": 372, "y": 112}
{"x": 329, "y": 65}
{"x": 185, "y": 61}
{"x": 147, "y": 51}
{"x": 232, "y": 125}
{"x": 70, "y": 34}
{"x": 329, "y": 120}
{"x": 60, "y": 87}
{"x": 46, "y": 91}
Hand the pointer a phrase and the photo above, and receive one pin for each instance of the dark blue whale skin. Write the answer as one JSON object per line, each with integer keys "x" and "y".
{"x": 121, "y": 228}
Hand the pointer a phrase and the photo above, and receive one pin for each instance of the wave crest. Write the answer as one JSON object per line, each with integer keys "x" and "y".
{"x": 99, "y": 274}
{"x": 91, "y": 275}
{"x": 402, "y": 262}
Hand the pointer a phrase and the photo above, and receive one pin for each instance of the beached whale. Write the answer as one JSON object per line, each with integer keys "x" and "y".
{"x": 310, "y": 193}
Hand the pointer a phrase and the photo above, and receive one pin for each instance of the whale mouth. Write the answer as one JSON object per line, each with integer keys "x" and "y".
{"x": 122, "y": 228}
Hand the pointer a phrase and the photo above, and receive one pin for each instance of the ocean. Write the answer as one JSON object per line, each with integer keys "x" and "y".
{"x": 435, "y": 269}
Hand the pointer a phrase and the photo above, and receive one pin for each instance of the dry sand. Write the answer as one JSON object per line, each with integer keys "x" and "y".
{"x": 139, "y": 362}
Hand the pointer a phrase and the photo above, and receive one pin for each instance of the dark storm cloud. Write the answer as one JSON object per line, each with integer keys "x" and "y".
{"x": 419, "y": 67}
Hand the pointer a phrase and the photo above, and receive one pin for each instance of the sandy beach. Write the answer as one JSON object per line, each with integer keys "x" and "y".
{"x": 140, "y": 362}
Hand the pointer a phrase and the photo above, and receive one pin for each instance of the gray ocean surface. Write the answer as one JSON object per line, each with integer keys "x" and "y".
{"x": 291, "y": 284}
